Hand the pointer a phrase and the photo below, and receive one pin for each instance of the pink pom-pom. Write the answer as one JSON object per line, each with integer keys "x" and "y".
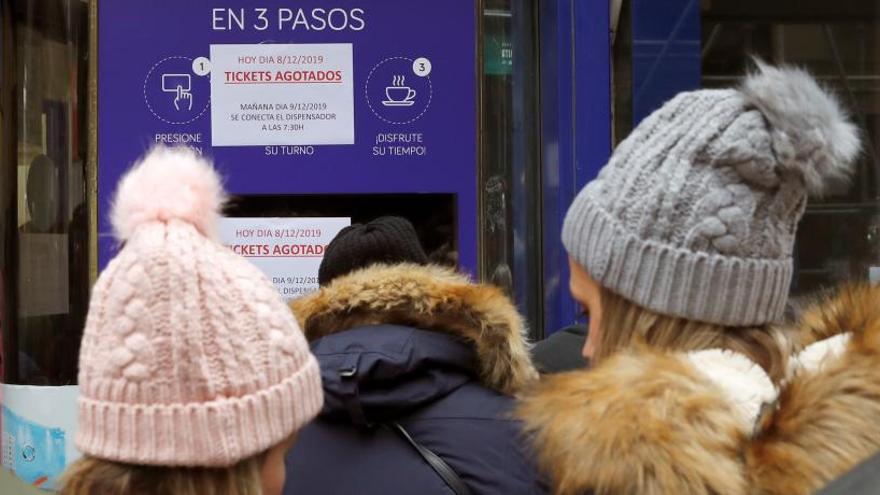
{"x": 168, "y": 183}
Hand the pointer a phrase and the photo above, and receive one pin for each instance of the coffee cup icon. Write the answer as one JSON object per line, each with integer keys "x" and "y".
{"x": 398, "y": 94}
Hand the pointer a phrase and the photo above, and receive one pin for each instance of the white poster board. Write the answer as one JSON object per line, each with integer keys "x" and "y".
{"x": 282, "y": 94}
{"x": 288, "y": 250}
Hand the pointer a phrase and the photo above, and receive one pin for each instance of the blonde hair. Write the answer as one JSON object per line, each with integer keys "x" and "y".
{"x": 625, "y": 324}
{"x": 92, "y": 476}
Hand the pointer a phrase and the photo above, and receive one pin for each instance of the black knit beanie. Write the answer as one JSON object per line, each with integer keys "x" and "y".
{"x": 384, "y": 240}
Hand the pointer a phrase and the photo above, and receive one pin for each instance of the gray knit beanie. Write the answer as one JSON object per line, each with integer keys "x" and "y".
{"x": 695, "y": 214}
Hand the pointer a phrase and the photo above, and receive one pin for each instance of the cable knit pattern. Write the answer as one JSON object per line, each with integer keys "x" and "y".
{"x": 189, "y": 356}
{"x": 695, "y": 214}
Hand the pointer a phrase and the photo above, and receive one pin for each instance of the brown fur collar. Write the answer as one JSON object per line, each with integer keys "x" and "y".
{"x": 429, "y": 298}
{"x": 648, "y": 422}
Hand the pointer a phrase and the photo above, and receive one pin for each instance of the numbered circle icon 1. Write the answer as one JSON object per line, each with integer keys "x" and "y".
{"x": 422, "y": 67}
{"x": 201, "y": 66}
{"x": 175, "y": 93}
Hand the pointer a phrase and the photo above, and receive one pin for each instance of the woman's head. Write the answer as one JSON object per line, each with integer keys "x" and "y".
{"x": 189, "y": 358}
{"x": 694, "y": 216}
{"x": 617, "y": 323}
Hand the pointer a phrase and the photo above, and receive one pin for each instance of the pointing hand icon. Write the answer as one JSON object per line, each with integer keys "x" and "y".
{"x": 182, "y": 99}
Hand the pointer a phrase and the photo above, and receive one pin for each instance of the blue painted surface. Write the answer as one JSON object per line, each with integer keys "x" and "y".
{"x": 665, "y": 52}
{"x": 592, "y": 137}
{"x": 556, "y": 133}
{"x": 576, "y": 121}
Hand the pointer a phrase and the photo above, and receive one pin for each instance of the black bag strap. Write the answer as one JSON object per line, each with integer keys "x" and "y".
{"x": 437, "y": 464}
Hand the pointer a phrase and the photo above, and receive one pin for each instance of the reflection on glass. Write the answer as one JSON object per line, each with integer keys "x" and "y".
{"x": 45, "y": 260}
{"x": 685, "y": 44}
{"x": 837, "y": 42}
{"x": 509, "y": 172}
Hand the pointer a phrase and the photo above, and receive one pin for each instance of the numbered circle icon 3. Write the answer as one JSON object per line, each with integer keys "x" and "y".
{"x": 421, "y": 67}
{"x": 395, "y": 94}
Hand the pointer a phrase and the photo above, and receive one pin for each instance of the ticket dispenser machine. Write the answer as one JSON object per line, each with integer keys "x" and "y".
{"x": 317, "y": 113}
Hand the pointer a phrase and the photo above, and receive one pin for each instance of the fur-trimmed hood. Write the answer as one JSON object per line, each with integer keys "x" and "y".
{"x": 647, "y": 422}
{"x": 427, "y": 298}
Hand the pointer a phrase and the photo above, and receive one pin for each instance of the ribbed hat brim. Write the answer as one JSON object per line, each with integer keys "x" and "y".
{"x": 673, "y": 281}
{"x": 216, "y": 433}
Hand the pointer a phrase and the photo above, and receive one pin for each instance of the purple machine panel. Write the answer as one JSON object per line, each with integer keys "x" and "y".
{"x": 350, "y": 97}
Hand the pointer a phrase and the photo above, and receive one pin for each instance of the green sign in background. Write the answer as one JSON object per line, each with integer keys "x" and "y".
{"x": 497, "y": 55}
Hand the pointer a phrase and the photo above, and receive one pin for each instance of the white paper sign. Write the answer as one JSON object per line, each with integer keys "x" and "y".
{"x": 288, "y": 250}
{"x": 39, "y": 432}
{"x": 285, "y": 94}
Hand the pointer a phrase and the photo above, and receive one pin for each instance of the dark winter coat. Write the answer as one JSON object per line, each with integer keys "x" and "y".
{"x": 561, "y": 351}
{"x": 423, "y": 347}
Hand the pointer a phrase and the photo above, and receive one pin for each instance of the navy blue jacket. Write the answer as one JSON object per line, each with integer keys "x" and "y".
{"x": 429, "y": 381}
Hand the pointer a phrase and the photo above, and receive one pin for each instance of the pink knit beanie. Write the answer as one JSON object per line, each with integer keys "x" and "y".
{"x": 189, "y": 356}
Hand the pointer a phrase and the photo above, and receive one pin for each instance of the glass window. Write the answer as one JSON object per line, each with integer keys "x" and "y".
{"x": 711, "y": 44}
{"x": 837, "y": 41}
{"x": 509, "y": 144}
{"x": 44, "y": 257}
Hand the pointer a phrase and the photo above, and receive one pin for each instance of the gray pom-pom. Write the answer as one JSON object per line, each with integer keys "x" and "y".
{"x": 812, "y": 135}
